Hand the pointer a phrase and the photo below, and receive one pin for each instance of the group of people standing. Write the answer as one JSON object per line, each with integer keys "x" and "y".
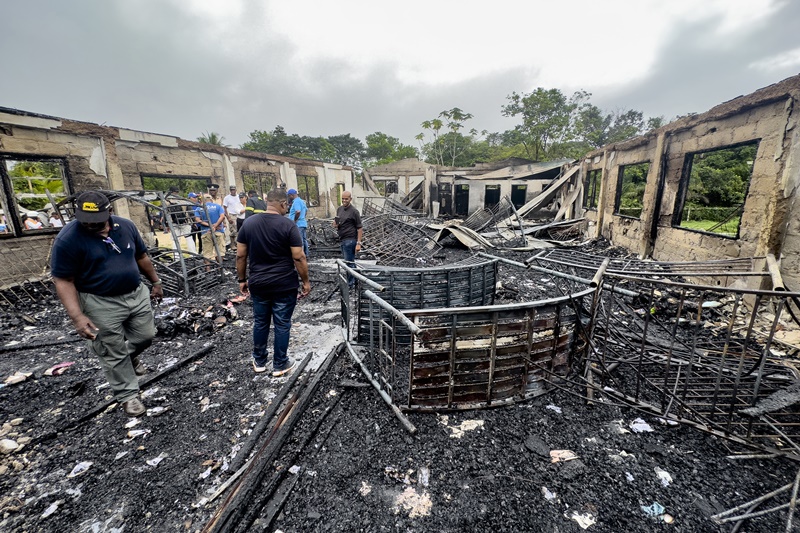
{"x": 98, "y": 260}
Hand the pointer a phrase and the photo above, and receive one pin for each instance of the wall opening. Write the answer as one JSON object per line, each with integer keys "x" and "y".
{"x": 391, "y": 187}
{"x": 308, "y": 187}
{"x": 261, "y": 182}
{"x": 462, "y": 200}
{"x": 31, "y": 187}
{"x": 631, "y": 183}
{"x": 491, "y": 196}
{"x": 713, "y": 189}
{"x": 518, "y": 194}
{"x": 445, "y": 198}
{"x": 591, "y": 188}
{"x": 185, "y": 184}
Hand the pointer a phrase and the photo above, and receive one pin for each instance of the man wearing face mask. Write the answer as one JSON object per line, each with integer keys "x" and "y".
{"x": 97, "y": 263}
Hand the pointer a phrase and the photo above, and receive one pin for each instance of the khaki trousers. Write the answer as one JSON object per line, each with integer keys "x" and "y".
{"x": 126, "y": 329}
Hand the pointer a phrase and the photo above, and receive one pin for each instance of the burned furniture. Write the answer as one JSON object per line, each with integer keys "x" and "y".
{"x": 442, "y": 352}
{"x": 393, "y": 242}
{"x": 703, "y": 354}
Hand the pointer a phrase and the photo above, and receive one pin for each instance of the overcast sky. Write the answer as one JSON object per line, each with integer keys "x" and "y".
{"x": 183, "y": 67}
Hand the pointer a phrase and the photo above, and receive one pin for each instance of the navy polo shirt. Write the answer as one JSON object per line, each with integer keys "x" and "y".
{"x": 99, "y": 267}
{"x": 269, "y": 238}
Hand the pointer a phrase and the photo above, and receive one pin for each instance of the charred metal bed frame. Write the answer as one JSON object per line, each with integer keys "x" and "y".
{"x": 670, "y": 351}
{"x": 451, "y": 358}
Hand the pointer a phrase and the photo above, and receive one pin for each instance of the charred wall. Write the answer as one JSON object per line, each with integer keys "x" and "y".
{"x": 93, "y": 156}
{"x": 768, "y": 217}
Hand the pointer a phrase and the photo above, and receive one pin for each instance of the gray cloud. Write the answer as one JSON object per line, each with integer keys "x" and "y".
{"x": 167, "y": 72}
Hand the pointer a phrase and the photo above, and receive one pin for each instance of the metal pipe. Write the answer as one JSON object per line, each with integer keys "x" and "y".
{"x": 775, "y": 273}
{"x": 503, "y": 259}
{"x": 413, "y": 328}
{"x": 360, "y": 277}
{"x": 598, "y": 276}
{"x": 399, "y": 414}
{"x": 585, "y": 281}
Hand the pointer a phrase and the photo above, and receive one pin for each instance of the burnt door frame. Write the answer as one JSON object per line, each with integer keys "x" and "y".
{"x": 462, "y": 199}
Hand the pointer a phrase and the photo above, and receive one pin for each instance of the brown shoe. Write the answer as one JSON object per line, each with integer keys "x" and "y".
{"x": 134, "y": 407}
{"x": 138, "y": 367}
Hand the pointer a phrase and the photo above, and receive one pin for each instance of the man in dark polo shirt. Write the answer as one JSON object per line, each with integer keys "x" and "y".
{"x": 97, "y": 262}
{"x": 274, "y": 247}
{"x": 348, "y": 223}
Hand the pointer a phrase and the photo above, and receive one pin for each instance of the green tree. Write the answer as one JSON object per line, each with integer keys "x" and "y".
{"x": 720, "y": 178}
{"x": 447, "y": 143}
{"x": 348, "y": 150}
{"x": 211, "y": 138}
{"x": 382, "y": 149}
{"x": 624, "y": 125}
{"x": 30, "y": 180}
{"x": 548, "y": 118}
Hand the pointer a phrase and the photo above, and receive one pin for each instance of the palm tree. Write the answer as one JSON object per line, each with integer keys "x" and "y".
{"x": 211, "y": 138}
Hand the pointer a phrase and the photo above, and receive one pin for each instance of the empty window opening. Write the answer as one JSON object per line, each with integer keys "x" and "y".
{"x": 518, "y": 194}
{"x": 591, "y": 189}
{"x": 630, "y": 189}
{"x": 391, "y": 188}
{"x": 309, "y": 190}
{"x": 185, "y": 184}
{"x": 491, "y": 196}
{"x": 713, "y": 189}
{"x": 35, "y": 186}
{"x": 261, "y": 182}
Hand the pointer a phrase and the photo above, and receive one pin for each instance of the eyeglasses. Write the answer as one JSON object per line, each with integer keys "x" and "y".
{"x": 109, "y": 240}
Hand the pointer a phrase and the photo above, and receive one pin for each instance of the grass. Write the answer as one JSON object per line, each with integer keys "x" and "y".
{"x": 728, "y": 229}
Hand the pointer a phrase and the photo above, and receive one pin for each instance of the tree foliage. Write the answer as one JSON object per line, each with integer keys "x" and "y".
{"x": 342, "y": 149}
{"x": 720, "y": 178}
{"x": 447, "y": 144}
{"x": 547, "y": 118}
{"x": 382, "y": 149}
{"x": 211, "y": 138}
{"x": 33, "y": 178}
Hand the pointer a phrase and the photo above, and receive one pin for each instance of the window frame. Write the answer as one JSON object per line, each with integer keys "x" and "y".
{"x": 259, "y": 177}
{"x": 591, "y": 196}
{"x": 620, "y": 182}
{"x": 13, "y": 213}
{"x": 684, "y": 183}
{"x": 312, "y": 196}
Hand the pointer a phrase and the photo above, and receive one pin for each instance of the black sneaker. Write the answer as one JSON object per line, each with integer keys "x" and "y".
{"x": 286, "y": 370}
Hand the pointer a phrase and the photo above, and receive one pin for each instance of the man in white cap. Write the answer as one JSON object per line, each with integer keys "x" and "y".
{"x": 97, "y": 263}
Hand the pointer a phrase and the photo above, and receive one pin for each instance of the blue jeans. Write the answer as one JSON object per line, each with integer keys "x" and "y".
{"x": 305, "y": 240}
{"x": 349, "y": 254}
{"x": 277, "y": 310}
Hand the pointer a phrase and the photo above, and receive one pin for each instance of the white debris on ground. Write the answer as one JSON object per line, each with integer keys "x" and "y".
{"x": 459, "y": 430}
{"x": 417, "y": 505}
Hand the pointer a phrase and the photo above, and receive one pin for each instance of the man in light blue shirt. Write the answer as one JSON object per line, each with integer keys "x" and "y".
{"x": 212, "y": 228}
{"x": 297, "y": 213}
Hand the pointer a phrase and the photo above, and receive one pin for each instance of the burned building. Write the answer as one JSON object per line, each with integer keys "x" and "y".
{"x": 712, "y": 186}
{"x": 45, "y": 159}
{"x": 461, "y": 191}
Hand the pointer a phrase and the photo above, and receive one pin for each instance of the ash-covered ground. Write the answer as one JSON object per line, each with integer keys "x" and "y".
{"x": 82, "y": 465}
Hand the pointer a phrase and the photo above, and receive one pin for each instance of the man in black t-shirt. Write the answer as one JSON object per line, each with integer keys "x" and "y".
{"x": 348, "y": 223}
{"x": 97, "y": 263}
{"x": 273, "y": 245}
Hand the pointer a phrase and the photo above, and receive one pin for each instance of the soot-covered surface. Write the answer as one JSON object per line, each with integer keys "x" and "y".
{"x": 463, "y": 471}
